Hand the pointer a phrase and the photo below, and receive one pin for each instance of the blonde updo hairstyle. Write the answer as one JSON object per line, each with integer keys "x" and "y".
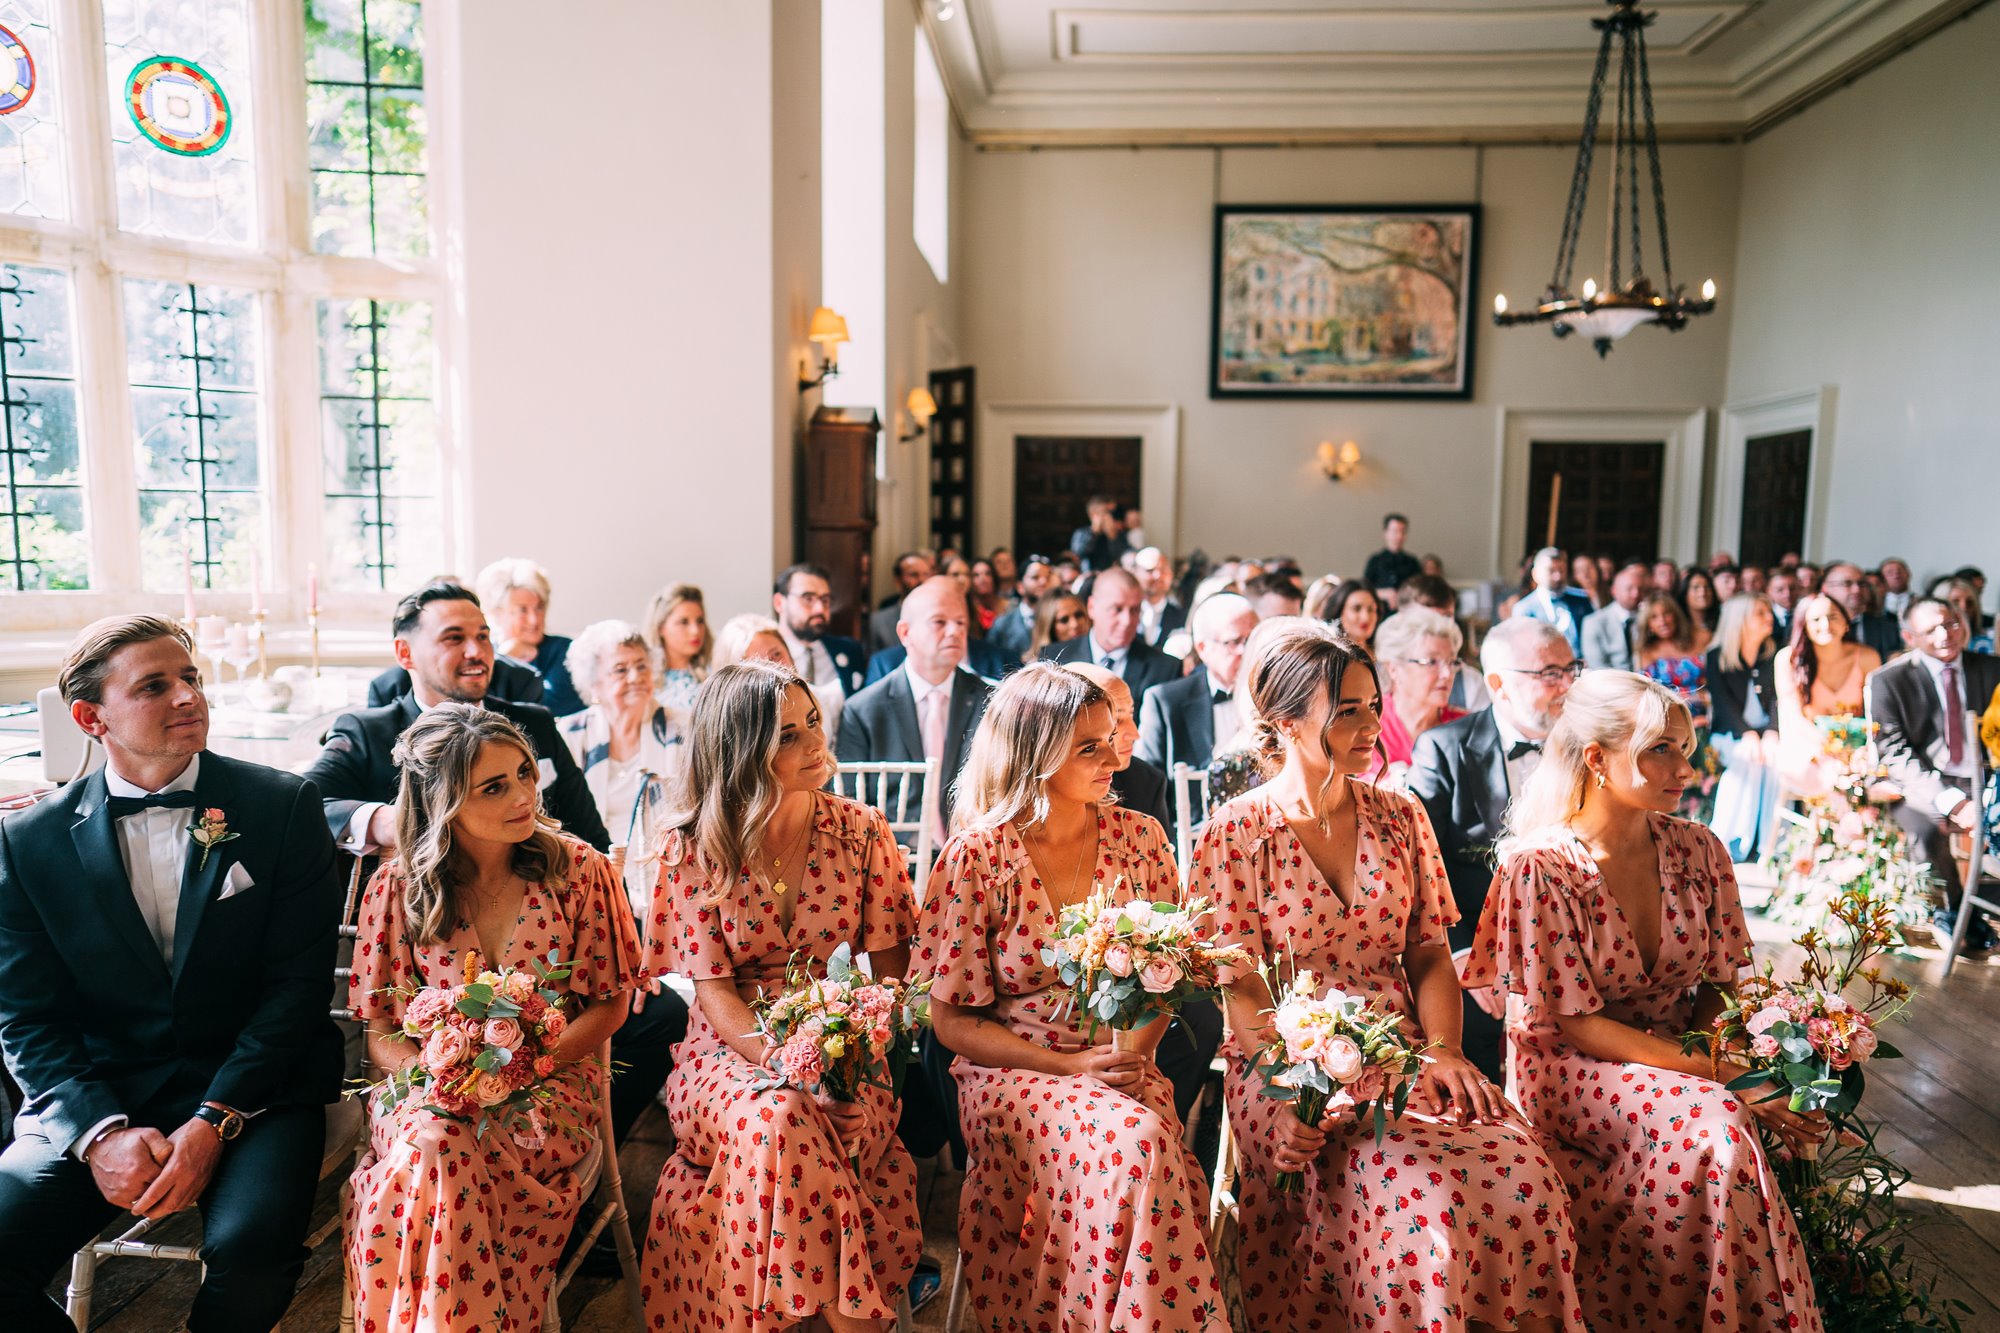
{"x": 1299, "y": 662}
{"x": 1618, "y": 711}
{"x": 436, "y": 756}
{"x": 1022, "y": 741}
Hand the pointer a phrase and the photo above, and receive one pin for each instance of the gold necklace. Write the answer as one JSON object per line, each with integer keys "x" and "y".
{"x": 1088, "y": 850}
{"x": 778, "y": 885}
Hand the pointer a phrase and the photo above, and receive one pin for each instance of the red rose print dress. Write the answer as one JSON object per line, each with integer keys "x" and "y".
{"x": 1678, "y": 1214}
{"x": 760, "y": 1219}
{"x": 448, "y": 1231}
{"x": 1081, "y": 1211}
{"x": 1440, "y": 1225}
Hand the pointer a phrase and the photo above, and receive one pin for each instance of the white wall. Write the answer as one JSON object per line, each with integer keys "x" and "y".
{"x": 1087, "y": 280}
{"x": 637, "y": 272}
{"x": 1867, "y": 255}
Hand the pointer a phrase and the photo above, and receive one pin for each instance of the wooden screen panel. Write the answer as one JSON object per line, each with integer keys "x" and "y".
{"x": 1776, "y": 469}
{"x": 1610, "y": 502}
{"x": 951, "y": 461}
{"x": 1055, "y": 476}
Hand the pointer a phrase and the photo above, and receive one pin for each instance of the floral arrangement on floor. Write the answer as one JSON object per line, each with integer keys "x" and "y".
{"x": 486, "y": 1049}
{"x": 1806, "y": 1041}
{"x": 1332, "y": 1050}
{"x": 1126, "y": 963}
{"x": 841, "y": 1032}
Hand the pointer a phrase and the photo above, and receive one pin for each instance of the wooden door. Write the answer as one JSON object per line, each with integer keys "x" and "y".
{"x": 1610, "y": 496}
{"x": 1054, "y": 478}
{"x": 951, "y": 461}
{"x": 1776, "y": 469}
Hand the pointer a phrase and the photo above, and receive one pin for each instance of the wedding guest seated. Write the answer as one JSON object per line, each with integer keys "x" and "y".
{"x": 1553, "y": 600}
{"x": 1101, "y": 541}
{"x": 1419, "y": 659}
{"x": 1666, "y": 576}
{"x": 802, "y": 602}
{"x": 1964, "y": 595}
{"x": 1847, "y": 584}
{"x": 677, "y": 624}
{"x": 512, "y": 680}
{"x": 1081, "y": 1208}
{"x": 984, "y": 602}
{"x": 911, "y": 569}
{"x": 484, "y": 873}
{"x": 1351, "y": 607}
{"x": 1584, "y": 578}
{"x": 1161, "y": 613}
{"x": 629, "y": 745}
{"x": 1608, "y": 633}
{"x": 515, "y": 594}
{"x": 1926, "y": 743}
{"x": 777, "y": 1207}
{"x": 1468, "y": 687}
{"x": 1014, "y": 628}
{"x": 1618, "y": 928}
{"x": 1671, "y": 649}
{"x": 1820, "y": 673}
{"x": 1186, "y": 721}
{"x": 1275, "y": 594}
{"x": 1699, "y": 599}
{"x": 1727, "y": 581}
{"x": 1456, "y": 1219}
{"x": 1238, "y": 766}
{"x": 166, "y": 935}
{"x": 1782, "y": 589}
{"x": 1743, "y": 703}
{"x": 1006, "y": 571}
{"x": 1465, "y": 772}
{"x": 750, "y": 638}
{"x": 1113, "y": 640}
{"x": 1059, "y": 617}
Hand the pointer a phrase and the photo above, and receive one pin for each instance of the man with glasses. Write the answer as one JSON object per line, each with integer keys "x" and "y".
{"x": 1466, "y": 771}
{"x": 1845, "y": 583}
{"x": 802, "y": 602}
{"x": 1187, "y": 721}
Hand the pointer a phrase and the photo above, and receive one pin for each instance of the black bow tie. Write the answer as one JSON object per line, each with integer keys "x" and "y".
{"x": 1223, "y": 696}
{"x": 121, "y": 806}
{"x": 1520, "y": 748}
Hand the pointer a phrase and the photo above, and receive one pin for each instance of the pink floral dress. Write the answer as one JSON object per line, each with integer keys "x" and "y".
{"x": 760, "y": 1219}
{"x": 1441, "y": 1224}
{"x": 1680, "y": 1220}
{"x": 446, "y": 1230}
{"x": 1081, "y": 1209}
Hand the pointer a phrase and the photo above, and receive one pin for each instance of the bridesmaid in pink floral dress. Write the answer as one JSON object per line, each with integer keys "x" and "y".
{"x": 1082, "y": 1212}
{"x": 1456, "y": 1220}
{"x": 448, "y": 1230}
{"x": 776, "y": 1208}
{"x": 1618, "y": 928}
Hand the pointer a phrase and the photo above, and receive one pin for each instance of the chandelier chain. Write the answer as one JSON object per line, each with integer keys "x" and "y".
{"x": 1659, "y": 189}
{"x": 1580, "y": 181}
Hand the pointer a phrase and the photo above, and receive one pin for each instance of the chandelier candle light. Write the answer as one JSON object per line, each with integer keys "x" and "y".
{"x": 1606, "y": 315}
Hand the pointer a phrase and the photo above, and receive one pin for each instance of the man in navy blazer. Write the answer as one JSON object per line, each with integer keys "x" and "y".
{"x": 802, "y": 603}
{"x": 167, "y": 929}
{"x": 1113, "y": 641}
{"x": 1553, "y": 602}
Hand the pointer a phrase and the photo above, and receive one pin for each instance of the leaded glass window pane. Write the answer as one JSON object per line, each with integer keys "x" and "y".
{"x": 179, "y": 76}
{"x": 42, "y": 540}
{"x": 382, "y": 482}
{"x": 32, "y": 183}
{"x": 367, "y": 133}
{"x": 192, "y": 353}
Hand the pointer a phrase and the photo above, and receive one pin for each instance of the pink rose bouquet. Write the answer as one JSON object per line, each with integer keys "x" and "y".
{"x": 1128, "y": 963}
{"x": 1331, "y": 1050}
{"x": 486, "y": 1049}
{"x": 843, "y": 1031}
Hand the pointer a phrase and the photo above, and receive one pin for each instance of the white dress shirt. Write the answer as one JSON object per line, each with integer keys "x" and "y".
{"x": 1111, "y": 659}
{"x": 1518, "y": 770}
{"x": 1228, "y": 719}
{"x": 815, "y": 663}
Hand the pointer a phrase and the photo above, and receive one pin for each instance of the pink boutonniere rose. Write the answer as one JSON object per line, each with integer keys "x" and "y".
{"x": 210, "y": 830}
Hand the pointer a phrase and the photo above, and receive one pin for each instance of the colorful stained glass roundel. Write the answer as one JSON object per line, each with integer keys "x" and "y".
{"x": 17, "y": 72}
{"x": 178, "y": 105}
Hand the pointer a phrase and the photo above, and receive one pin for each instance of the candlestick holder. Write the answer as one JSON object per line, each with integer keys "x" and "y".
{"x": 312, "y": 637}
{"x": 257, "y": 632}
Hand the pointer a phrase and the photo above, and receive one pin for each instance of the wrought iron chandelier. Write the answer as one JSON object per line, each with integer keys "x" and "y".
{"x": 1608, "y": 314}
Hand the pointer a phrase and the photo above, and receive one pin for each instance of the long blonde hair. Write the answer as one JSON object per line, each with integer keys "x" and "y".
{"x": 725, "y": 795}
{"x": 436, "y": 755}
{"x": 662, "y": 606}
{"x": 1615, "y": 710}
{"x": 1021, "y": 743}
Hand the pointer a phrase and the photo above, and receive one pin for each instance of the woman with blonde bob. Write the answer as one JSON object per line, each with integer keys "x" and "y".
{"x": 1619, "y": 927}
{"x": 1456, "y": 1220}
{"x": 448, "y": 1228}
{"x": 1081, "y": 1208}
{"x": 779, "y": 1207}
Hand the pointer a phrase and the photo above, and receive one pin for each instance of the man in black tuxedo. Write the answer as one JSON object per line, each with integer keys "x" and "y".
{"x": 167, "y": 930}
{"x": 1466, "y": 771}
{"x": 1188, "y": 720}
{"x": 1919, "y": 703}
{"x": 928, "y": 708}
{"x": 1113, "y": 642}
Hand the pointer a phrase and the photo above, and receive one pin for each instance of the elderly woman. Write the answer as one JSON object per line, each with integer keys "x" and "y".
{"x": 515, "y": 596}
{"x": 1417, "y": 653}
{"x": 677, "y": 624}
{"x": 629, "y": 745}
{"x": 750, "y": 638}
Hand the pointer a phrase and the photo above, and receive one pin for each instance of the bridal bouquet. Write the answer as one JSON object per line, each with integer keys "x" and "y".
{"x": 841, "y": 1032}
{"x": 1128, "y": 963}
{"x": 486, "y": 1048}
{"x": 1335, "y": 1046}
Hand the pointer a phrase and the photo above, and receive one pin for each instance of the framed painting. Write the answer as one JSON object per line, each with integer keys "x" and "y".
{"x": 1325, "y": 302}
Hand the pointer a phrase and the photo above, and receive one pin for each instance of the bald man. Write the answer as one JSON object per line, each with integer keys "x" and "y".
{"x": 1113, "y": 642}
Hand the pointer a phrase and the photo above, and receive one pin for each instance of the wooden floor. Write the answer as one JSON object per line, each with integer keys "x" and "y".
{"x": 1941, "y": 1105}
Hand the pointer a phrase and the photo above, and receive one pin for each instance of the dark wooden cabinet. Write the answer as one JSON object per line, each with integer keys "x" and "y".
{"x": 837, "y": 507}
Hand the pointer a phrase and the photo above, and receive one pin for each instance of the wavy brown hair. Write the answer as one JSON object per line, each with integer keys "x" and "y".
{"x": 1287, "y": 678}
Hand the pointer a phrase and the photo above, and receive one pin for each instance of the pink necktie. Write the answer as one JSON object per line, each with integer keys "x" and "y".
{"x": 1954, "y": 717}
{"x": 933, "y": 723}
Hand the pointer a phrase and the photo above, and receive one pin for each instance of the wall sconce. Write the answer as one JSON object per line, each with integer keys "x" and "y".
{"x": 921, "y": 407}
{"x": 1339, "y": 461}
{"x": 828, "y": 330}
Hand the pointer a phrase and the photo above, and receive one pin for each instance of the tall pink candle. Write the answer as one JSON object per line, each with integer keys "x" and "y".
{"x": 312, "y": 589}
{"x": 187, "y": 586}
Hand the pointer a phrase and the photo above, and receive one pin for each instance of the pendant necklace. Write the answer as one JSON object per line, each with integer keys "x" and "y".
{"x": 778, "y": 885}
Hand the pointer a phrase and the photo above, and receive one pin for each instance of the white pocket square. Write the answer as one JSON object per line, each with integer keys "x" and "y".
{"x": 547, "y": 769}
{"x": 237, "y": 882}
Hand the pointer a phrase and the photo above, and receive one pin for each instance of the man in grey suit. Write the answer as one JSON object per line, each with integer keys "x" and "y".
{"x": 1607, "y": 632}
{"x": 1113, "y": 642}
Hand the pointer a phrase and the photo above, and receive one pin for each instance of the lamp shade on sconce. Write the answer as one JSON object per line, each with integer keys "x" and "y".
{"x": 828, "y": 328}
{"x": 921, "y": 405}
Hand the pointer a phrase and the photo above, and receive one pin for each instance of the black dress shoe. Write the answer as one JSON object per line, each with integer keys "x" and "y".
{"x": 1979, "y": 936}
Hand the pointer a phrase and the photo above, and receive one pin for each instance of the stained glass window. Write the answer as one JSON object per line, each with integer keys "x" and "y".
{"x": 384, "y": 520}
{"x": 32, "y": 183}
{"x": 42, "y": 544}
{"x": 192, "y": 352}
{"x": 366, "y": 127}
{"x": 179, "y": 76}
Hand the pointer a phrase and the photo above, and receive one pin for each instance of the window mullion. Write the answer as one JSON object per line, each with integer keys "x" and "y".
{"x": 295, "y": 475}
{"x": 110, "y": 472}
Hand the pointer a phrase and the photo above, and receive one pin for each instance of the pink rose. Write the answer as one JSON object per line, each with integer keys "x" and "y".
{"x": 490, "y": 1089}
{"x": 213, "y": 814}
{"x": 517, "y": 986}
{"x": 1118, "y": 958}
{"x": 1764, "y": 1045}
{"x": 1861, "y": 1042}
{"x": 544, "y": 1065}
{"x": 1763, "y": 1020}
{"x": 1368, "y": 1085}
{"x": 1340, "y": 1058}
{"x": 426, "y": 1008}
{"x": 503, "y": 1032}
{"x": 1160, "y": 975}
{"x": 1819, "y": 1031}
{"x": 1840, "y": 1057}
{"x": 446, "y": 1047}
{"x": 881, "y": 1035}
{"x": 553, "y": 1024}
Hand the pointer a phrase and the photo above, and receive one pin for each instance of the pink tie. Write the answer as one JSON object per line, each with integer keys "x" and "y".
{"x": 933, "y": 723}
{"x": 1954, "y": 717}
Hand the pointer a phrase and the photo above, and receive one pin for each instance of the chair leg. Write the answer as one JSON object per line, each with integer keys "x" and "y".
{"x": 954, "y": 1310}
{"x": 1194, "y": 1113}
{"x": 82, "y": 1279}
{"x": 903, "y": 1315}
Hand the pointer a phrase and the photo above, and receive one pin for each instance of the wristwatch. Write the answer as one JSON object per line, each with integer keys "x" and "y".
{"x": 228, "y": 1124}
